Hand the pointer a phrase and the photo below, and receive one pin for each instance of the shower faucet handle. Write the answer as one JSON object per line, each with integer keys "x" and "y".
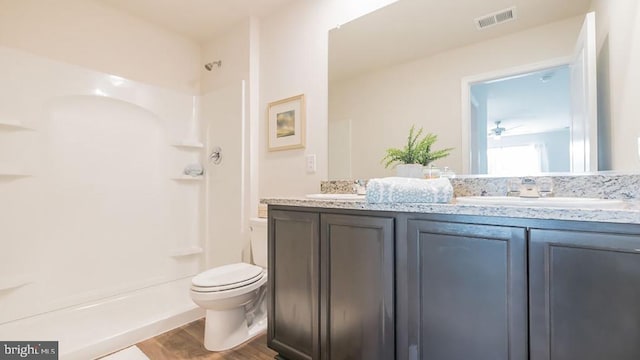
{"x": 216, "y": 155}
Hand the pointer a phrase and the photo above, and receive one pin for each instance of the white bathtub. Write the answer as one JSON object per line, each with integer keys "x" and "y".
{"x": 98, "y": 328}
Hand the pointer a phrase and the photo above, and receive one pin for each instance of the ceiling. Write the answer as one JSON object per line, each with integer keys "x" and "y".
{"x": 199, "y": 20}
{"x": 428, "y": 27}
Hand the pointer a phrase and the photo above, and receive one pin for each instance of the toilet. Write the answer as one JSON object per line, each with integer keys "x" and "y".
{"x": 234, "y": 296}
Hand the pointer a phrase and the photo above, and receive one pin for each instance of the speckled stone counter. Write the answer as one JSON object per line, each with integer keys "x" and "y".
{"x": 628, "y": 213}
{"x": 602, "y": 185}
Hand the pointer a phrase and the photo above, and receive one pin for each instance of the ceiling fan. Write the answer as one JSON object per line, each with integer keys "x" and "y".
{"x": 498, "y": 131}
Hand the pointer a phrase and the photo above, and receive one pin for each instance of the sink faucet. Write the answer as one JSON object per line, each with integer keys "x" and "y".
{"x": 530, "y": 188}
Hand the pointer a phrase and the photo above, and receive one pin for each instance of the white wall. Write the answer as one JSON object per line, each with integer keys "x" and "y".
{"x": 226, "y": 116}
{"x": 232, "y": 47}
{"x": 294, "y": 60}
{"x": 95, "y": 36}
{"x": 227, "y": 233}
{"x": 618, "y": 42}
{"x": 384, "y": 104}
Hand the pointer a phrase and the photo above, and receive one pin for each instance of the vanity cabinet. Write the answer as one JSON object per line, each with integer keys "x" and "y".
{"x": 331, "y": 286}
{"x": 466, "y": 292}
{"x": 585, "y": 295}
{"x": 363, "y": 285}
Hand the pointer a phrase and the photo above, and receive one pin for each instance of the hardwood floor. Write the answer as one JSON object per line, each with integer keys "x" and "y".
{"x": 186, "y": 342}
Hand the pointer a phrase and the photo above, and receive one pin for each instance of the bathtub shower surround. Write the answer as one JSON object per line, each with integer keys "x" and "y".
{"x": 94, "y": 203}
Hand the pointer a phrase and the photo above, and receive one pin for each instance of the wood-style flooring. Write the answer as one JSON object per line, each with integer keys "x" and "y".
{"x": 186, "y": 342}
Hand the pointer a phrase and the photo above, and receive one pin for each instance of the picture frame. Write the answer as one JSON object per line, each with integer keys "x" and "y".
{"x": 286, "y": 123}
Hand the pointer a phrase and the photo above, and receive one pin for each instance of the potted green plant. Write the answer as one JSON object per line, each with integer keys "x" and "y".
{"x": 416, "y": 154}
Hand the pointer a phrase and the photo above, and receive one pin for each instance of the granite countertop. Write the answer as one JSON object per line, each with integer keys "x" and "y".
{"x": 628, "y": 212}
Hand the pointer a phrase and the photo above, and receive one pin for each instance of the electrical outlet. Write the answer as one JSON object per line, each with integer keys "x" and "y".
{"x": 311, "y": 163}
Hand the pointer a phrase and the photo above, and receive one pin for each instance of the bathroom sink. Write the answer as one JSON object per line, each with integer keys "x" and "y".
{"x": 336, "y": 196}
{"x": 562, "y": 202}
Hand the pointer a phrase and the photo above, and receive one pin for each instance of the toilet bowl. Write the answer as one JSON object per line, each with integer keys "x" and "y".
{"x": 234, "y": 296}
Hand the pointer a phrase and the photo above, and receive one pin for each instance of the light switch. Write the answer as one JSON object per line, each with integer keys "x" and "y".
{"x": 311, "y": 163}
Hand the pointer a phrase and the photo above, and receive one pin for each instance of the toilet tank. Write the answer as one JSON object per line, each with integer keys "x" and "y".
{"x": 259, "y": 241}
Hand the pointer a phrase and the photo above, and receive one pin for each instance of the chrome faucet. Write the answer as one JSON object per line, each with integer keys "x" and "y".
{"x": 530, "y": 188}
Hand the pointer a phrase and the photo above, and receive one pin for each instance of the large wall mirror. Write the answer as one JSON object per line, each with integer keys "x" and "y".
{"x": 515, "y": 97}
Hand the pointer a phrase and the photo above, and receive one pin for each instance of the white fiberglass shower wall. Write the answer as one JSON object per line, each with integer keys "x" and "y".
{"x": 94, "y": 203}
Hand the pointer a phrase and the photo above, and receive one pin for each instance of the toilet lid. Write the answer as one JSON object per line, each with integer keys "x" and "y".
{"x": 227, "y": 275}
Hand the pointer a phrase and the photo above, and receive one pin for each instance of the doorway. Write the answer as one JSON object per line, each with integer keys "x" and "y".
{"x": 521, "y": 123}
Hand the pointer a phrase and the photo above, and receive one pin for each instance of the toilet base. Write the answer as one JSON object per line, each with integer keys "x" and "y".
{"x": 227, "y": 329}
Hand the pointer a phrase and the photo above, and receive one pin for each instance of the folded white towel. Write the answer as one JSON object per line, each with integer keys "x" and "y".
{"x": 409, "y": 190}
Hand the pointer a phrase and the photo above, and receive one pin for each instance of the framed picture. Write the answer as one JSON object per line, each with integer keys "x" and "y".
{"x": 286, "y": 123}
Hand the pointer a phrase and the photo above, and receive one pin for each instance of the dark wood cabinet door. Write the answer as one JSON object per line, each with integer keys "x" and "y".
{"x": 465, "y": 295}
{"x": 357, "y": 291}
{"x": 584, "y": 295}
{"x": 294, "y": 273}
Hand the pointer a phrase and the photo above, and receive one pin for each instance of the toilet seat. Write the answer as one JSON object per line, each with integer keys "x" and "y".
{"x": 227, "y": 277}
{"x": 209, "y": 296}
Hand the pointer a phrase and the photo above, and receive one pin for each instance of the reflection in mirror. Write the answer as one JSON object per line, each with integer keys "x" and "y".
{"x": 521, "y": 124}
{"x": 404, "y": 65}
{"x": 536, "y": 100}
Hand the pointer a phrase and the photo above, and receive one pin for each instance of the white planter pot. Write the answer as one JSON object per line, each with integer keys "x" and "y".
{"x": 409, "y": 170}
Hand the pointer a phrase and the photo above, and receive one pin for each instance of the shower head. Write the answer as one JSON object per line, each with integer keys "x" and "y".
{"x": 209, "y": 66}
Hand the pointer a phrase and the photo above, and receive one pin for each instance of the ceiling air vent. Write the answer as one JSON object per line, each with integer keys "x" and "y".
{"x": 496, "y": 18}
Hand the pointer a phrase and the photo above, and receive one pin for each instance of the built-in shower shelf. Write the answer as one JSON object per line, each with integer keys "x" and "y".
{"x": 187, "y": 178}
{"x": 188, "y": 251}
{"x": 14, "y": 283}
{"x": 189, "y": 144}
{"x": 12, "y": 125}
